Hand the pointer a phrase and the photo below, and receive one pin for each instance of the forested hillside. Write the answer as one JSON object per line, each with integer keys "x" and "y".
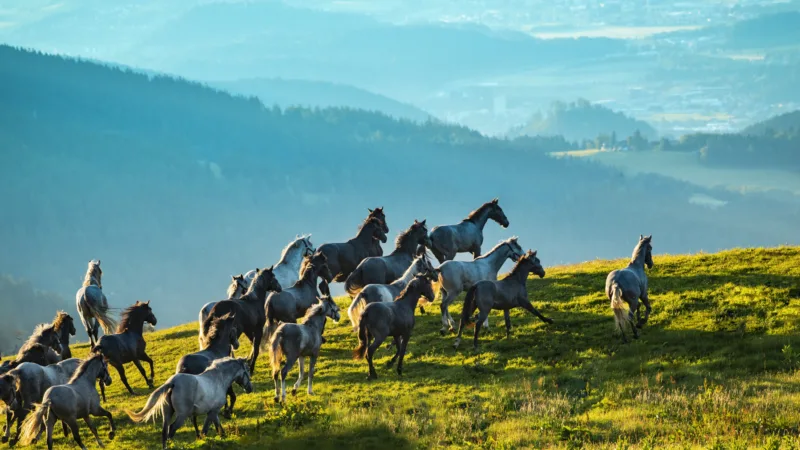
{"x": 176, "y": 186}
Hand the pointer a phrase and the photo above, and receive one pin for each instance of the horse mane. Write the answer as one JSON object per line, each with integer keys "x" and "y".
{"x": 216, "y": 326}
{"x": 473, "y": 216}
{"x": 369, "y": 220}
{"x": 84, "y": 366}
{"x": 415, "y": 281}
{"x": 316, "y": 309}
{"x": 224, "y": 361}
{"x": 61, "y": 318}
{"x": 638, "y": 249}
{"x": 128, "y": 315}
{"x": 40, "y": 329}
{"x": 87, "y": 279}
{"x": 499, "y": 244}
{"x": 517, "y": 266}
{"x": 401, "y": 238}
{"x": 306, "y": 266}
{"x": 285, "y": 251}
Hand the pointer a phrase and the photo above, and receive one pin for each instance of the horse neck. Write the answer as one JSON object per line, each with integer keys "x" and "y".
{"x": 407, "y": 276}
{"x": 406, "y": 246}
{"x": 88, "y": 378}
{"x": 255, "y": 292}
{"x": 316, "y": 322}
{"x": 292, "y": 258}
{"x": 410, "y": 299}
{"x": 135, "y": 326}
{"x": 364, "y": 234}
{"x": 221, "y": 344}
{"x": 224, "y": 374}
{"x": 519, "y": 275}
{"x": 480, "y": 218}
{"x": 498, "y": 256}
{"x": 63, "y": 336}
{"x": 637, "y": 260}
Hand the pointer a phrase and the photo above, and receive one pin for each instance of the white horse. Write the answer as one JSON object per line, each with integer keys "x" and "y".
{"x": 185, "y": 395}
{"x": 373, "y": 293}
{"x": 456, "y": 277}
{"x": 286, "y": 271}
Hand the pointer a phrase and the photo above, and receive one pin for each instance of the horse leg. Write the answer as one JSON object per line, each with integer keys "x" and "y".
{"x": 300, "y": 378}
{"x": 50, "y": 425}
{"x": 371, "y": 352}
{"x": 402, "y": 351}
{"x": 96, "y": 330}
{"x": 312, "y": 364}
{"x": 207, "y": 424}
{"x": 646, "y": 302}
{"x": 73, "y": 425}
{"x": 256, "y": 346}
{"x": 397, "y": 344}
{"x": 144, "y": 357}
{"x": 524, "y": 303}
{"x": 215, "y": 418}
{"x": 122, "y": 377}
{"x": 634, "y": 309}
{"x": 165, "y": 427}
{"x": 482, "y": 315}
{"x": 9, "y": 422}
{"x": 144, "y": 374}
{"x": 284, "y": 372}
{"x": 507, "y": 318}
{"x": 177, "y": 424}
{"x": 93, "y": 429}
{"x": 100, "y": 412}
{"x": 232, "y": 395}
{"x": 196, "y": 428}
{"x": 65, "y": 429}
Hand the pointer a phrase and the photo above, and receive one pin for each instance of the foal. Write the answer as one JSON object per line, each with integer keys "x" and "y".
{"x": 505, "y": 294}
{"x": 396, "y": 319}
{"x": 298, "y": 341}
{"x": 128, "y": 344}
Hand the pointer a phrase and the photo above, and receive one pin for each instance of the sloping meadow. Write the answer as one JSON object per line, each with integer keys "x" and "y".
{"x": 716, "y": 366}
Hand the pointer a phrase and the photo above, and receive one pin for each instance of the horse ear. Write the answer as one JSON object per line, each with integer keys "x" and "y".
{"x": 650, "y": 237}
{"x": 147, "y": 302}
{"x": 423, "y": 222}
{"x": 495, "y": 200}
{"x": 534, "y": 252}
{"x": 98, "y": 262}
{"x": 370, "y": 210}
{"x": 641, "y": 237}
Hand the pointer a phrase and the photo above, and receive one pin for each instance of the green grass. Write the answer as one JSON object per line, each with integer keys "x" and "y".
{"x": 716, "y": 367}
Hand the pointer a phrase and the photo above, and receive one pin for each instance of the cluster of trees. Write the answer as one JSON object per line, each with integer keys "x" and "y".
{"x": 176, "y": 186}
{"x": 583, "y": 121}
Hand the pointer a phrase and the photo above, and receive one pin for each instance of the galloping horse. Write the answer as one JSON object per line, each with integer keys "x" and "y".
{"x": 386, "y": 269}
{"x": 466, "y": 236}
{"x": 92, "y": 303}
{"x": 344, "y": 257}
{"x": 629, "y": 285}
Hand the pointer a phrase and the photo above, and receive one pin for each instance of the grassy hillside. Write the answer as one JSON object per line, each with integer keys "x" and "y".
{"x": 716, "y": 366}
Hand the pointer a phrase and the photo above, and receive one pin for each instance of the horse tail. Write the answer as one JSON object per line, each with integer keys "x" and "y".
{"x": 32, "y": 427}
{"x": 363, "y": 337}
{"x": 269, "y": 326}
{"x": 155, "y": 405}
{"x": 276, "y": 351}
{"x": 356, "y": 308}
{"x": 354, "y": 282}
{"x": 618, "y": 305}
{"x": 102, "y": 314}
{"x": 470, "y": 303}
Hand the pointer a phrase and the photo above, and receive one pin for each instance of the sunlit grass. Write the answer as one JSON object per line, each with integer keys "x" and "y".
{"x": 716, "y": 366}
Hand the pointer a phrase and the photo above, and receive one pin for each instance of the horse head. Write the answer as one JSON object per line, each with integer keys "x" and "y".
{"x": 243, "y": 378}
{"x": 496, "y": 213}
{"x": 532, "y": 264}
{"x": 648, "y": 256}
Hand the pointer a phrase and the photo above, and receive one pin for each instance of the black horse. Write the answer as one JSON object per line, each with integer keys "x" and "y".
{"x": 127, "y": 344}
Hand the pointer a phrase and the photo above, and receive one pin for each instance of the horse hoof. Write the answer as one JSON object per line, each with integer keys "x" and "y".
{"x": 452, "y": 330}
{"x": 4, "y": 439}
{"x": 372, "y": 377}
{"x": 111, "y": 435}
{"x": 310, "y": 392}
{"x": 226, "y": 414}
{"x": 277, "y": 399}
{"x": 294, "y": 391}
{"x": 442, "y": 331}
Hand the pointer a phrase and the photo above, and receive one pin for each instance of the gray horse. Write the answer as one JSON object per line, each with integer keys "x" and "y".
{"x": 388, "y": 292}
{"x": 78, "y": 399}
{"x": 222, "y": 337}
{"x": 466, "y": 236}
{"x": 64, "y": 325}
{"x": 629, "y": 285}
{"x": 28, "y": 383}
{"x": 185, "y": 395}
{"x": 298, "y": 342}
{"x": 344, "y": 257}
{"x": 93, "y": 305}
{"x": 386, "y": 269}
{"x": 292, "y": 303}
{"x": 381, "y": 320}
{"x": 505, "y": 294}
{"x": 456, "y": 277}
{"x": 248, "y": 311}
{"x": 127, "y": 344}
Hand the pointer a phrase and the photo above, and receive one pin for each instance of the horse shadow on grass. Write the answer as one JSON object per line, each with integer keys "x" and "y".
{"x": 359, "y": 438}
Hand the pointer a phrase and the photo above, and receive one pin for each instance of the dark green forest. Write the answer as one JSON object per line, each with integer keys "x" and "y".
{"x": 176, "y": 186}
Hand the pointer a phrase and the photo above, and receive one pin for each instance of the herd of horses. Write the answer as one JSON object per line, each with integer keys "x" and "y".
{"x": 44, "y": 385}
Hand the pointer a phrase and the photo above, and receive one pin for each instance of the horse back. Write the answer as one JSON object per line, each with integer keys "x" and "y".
{"x": 628, "y": 280}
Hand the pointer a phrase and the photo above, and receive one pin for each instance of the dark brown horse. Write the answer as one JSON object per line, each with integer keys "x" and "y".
{"x": 127, "y": 344}
{"x": 386, "y": 269}
{"x": 248, "y": 310}
{"x": 344, "y": 257}
{"x": 64, "y": 325}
